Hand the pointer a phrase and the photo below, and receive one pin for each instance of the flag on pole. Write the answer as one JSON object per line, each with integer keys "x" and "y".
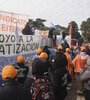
{"x": 16, "y": 30}
{"x": 61, "y": 37}
{"x": 52, "y": 25}
{"x": 77, "y": 44}
{"x": 70, "y": 29}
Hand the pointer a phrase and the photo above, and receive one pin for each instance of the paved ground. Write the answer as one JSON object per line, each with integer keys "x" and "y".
{"x": 72, "y": 93}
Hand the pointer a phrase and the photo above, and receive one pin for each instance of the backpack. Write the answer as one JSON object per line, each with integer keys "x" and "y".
{"x": 21, "y": 74}
{"x": 41, "y": 89}
{"x": 21, "y": 71}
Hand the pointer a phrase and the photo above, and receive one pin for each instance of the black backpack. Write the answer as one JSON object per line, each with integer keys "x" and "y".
{"x": 21, "y": 74}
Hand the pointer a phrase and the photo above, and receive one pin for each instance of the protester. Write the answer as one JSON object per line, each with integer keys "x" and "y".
{"x": 61, "y": 78}
{"x": 45, "y": 49}
{"x": 51, "y": 31}
{"x": 76, "y": 50}
{"x": 59, "y": 49}
{"x": 22, "y": 69}
{"x": 53, "y": 50}
{"x": 79, "y": 62}
{"x": 28, "y": 30}
{"x": 65, "y": 45}
{"x": 60, "y": 52}
{"x": 40, "y": 86}
{"x": 37, "y": 70}
{"x": 11, "y": 89}
{"x": 69, "y": 66}
{"x": 38, "y": 52}
{"x": 85, "y": 78}
{"x": 72, "y": 53}
{"x": 47, "y": 67}
{"x": 43, "y": 56}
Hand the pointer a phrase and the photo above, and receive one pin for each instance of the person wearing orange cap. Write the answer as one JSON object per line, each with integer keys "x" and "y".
{"x": 47, "y": 67}
{"x": 22, "y": 69}
{"x": 60, "y": 77}
{"x": 39, "y": 84}
{"x": 11, "y": 89}
{"x": 45, "y": 49}
{"x": 59, "y": 52}
{"x": 43, "y": 56}
{"x": 59, "y": 49}
{"x": 69, "y": 66}
{"x": 80, "y": 62}
{"x": 38, "y": 52}
{"x": 85, "y": 78}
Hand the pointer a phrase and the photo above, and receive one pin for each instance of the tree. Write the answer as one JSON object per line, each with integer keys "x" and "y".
{"x": 60, "y": 28}
{"x": 85, "y": 28}
{"x": 38, "y": 23}
{"x": 75, "y": 33}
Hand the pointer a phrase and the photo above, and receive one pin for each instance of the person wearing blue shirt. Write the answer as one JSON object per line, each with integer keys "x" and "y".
{"x": 38, "y": 52}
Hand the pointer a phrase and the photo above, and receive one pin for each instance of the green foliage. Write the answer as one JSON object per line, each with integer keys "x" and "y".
{"x": 75, "y": 33}
{"x": 43, "y": 28}
{"x": 61, "y": 28}
{"x": 38, "y": 23}
{"x": 85, "y": 28}
{"x": 58, "y": 29}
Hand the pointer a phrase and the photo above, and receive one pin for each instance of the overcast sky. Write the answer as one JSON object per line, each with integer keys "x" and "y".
{"x": 56, "y": 11}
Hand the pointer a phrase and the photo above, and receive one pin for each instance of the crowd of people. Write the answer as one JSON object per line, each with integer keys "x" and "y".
{"x": 52, "y": 74}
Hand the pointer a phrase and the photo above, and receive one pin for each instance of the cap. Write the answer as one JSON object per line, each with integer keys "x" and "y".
{"x": 43, "y": 55}
{"x": 83, "y": 49}
{"x": 9, "y": 72}
{"x": 67, "y": 50}
{"x": 74, "y": 47}
{"x": 39, "y": 50}
{"x": 20, "y": 59}
{"x": 60, "y": 47}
